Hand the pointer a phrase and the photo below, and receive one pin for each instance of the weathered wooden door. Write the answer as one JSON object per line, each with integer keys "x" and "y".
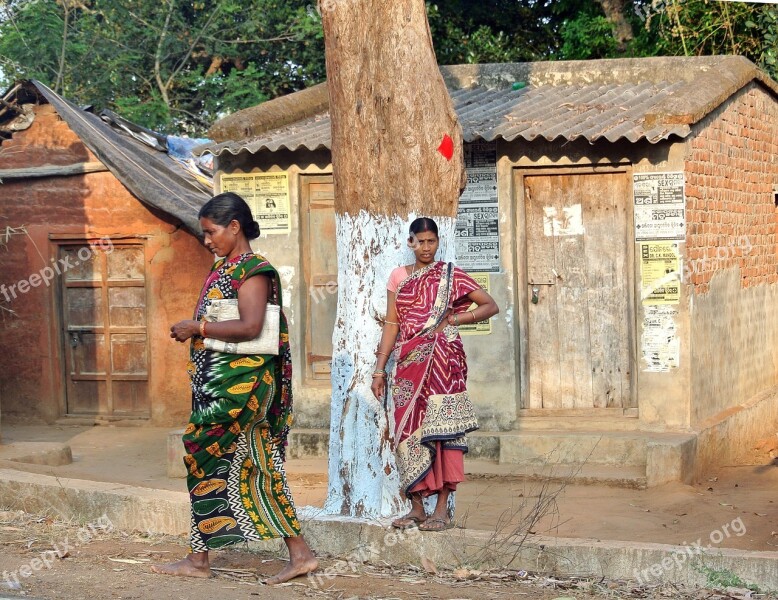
{"x": 104, "y": 328}
{"x": 321, "y": 272}
{"x": 579, "y": 349}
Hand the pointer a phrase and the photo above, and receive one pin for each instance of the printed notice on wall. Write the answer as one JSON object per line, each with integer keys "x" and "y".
{"x": 482, "y": 327}
{"x": 477, "y": 230}
{"x": 268, "y": 196}
{"x": 660, "y": 208}
{"x": 660, "y": 343}
{"x": 660, "y": 273}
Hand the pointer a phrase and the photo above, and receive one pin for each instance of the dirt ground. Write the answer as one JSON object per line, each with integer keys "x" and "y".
{"x": 98, "y": 563}
{"x": 733, "y": 507}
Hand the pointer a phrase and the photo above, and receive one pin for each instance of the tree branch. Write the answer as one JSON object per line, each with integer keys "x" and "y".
{"x": 287, "y": 37}
{"x": 622, "y": 30}
{"x": 196, "y": 40}
{"x": 157, "y": 55}
{"x": 65, "y": 27}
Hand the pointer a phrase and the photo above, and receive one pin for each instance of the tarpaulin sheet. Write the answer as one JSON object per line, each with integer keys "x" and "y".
{"x": 152, "y": 176}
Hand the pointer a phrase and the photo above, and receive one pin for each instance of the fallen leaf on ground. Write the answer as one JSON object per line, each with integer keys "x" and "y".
{"x": 428, "y": 565}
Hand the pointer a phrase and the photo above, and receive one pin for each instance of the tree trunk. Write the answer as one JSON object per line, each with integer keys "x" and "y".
{"x": 615, "y": 12}
{"x": 397, "y": 155}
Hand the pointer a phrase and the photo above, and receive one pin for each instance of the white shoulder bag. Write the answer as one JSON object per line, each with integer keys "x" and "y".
{"x": 265, "y": 343}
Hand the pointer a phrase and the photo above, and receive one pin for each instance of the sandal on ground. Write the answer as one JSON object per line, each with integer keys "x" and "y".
{"x": 407, "y": 521}
{"x": 435, "y": 525}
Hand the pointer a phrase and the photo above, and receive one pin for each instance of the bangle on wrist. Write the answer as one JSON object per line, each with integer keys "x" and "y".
{"x": 472, "y": 312}
{"x": 202, "y": 328}
{"x": 381, "y": 353}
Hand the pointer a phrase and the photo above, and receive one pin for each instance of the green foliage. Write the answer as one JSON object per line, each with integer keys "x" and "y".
{"x": 178, "y": 65}
{"x": 151, "y": 112}
{"x": 723, "y": 578}
{"x": 174, "y": 65}
{"x": 588, "y": 36}
{"x": 766, "y": 26}
{"x": 479, "y": 31}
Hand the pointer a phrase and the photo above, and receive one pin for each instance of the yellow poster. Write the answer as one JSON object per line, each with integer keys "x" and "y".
{"x": 268, "y": 196}
{"x": 660, "y": 273}
{"x": 482, "y": 327}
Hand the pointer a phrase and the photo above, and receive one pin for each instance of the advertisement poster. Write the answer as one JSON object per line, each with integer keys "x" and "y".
{"x": 660, "y": 273}
{"x": 661, "y": 346}
{"x": 268, "y": 196}
{"x": 660, "y": 207}
{"x": 477, "y": 229}
{"x": 482, "y": 327}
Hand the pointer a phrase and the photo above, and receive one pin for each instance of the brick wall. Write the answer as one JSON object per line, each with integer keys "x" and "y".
{"x": 731, "y": 255}
{"x": 32, "y": 382}
{"x": 730, "y": 172}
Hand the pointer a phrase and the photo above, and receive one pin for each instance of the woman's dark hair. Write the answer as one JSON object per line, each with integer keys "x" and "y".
{"x": 228, "y": 206}
{"x": 424, "y": 224}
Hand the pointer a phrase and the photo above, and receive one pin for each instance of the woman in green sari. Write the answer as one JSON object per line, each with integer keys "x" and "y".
{"x": 241, "y": 406}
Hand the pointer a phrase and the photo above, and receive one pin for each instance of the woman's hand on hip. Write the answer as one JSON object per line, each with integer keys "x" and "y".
{"x": 183, "y": 330}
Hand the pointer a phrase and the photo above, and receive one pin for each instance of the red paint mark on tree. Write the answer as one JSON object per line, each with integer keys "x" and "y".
{"x": 446, "y": 147}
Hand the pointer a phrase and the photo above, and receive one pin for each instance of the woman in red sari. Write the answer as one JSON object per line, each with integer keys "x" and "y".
{"x": 426, "y": 302}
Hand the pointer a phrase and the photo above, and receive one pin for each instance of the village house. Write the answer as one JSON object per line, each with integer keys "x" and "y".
{"x": 100, "y": 255}
{"x": 623, "y": 215}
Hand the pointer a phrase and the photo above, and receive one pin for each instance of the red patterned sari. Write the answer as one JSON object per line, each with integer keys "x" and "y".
{"x": 432, "y": 410}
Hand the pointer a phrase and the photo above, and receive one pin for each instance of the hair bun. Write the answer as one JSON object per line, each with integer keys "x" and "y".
{"x": 252, "y": 230}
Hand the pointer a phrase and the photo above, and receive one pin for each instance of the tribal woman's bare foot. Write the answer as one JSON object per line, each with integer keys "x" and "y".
{"x": 186, "y": 567}
{"x": 298, "y": 566}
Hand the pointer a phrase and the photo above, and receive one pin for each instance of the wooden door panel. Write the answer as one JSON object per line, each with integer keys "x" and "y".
{"x": 579, "y": 339}
{"x": 126, "y": 264}
{"x": 321, "y": 272}
{"x": 84, "y": 307}
{"x": 608, "y": 292}
{"x": 128, "y": 355}
{"x": 90, "y": 395}
{"x": 127, "y": 306}
{"x": 104, "y": 328}
{"x": 78, "y": 264}
{"x": 130, "y": 397}
{"x": 570, "y": 270}
{"x": 544, "y": 367}
{"x": 88, "y": 355}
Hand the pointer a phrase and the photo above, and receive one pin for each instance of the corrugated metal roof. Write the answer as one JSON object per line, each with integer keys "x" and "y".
{"x": 568, "y": 112}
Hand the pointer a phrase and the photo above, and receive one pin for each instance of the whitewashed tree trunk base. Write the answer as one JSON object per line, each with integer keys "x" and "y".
{"x": 363, "y": 480}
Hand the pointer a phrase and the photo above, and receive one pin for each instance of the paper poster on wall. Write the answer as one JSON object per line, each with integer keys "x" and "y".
{"x": 268, "y": 196}
{"x": 660, "y": 272}
{"x": 477, "y": 230}
{"x": 660, "y": 207}
{"x": 661, "y": 346}
{"x": 483, "y": 327}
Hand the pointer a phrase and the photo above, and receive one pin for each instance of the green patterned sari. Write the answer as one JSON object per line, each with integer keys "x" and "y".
{"x": 241, "y": 413}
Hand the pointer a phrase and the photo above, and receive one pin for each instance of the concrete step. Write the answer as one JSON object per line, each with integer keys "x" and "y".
{"x": 617, "y": 476}
{"x": 314, "y": 443}
{"x": 604, "y": 448}
{"x": 633, "y": 459}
